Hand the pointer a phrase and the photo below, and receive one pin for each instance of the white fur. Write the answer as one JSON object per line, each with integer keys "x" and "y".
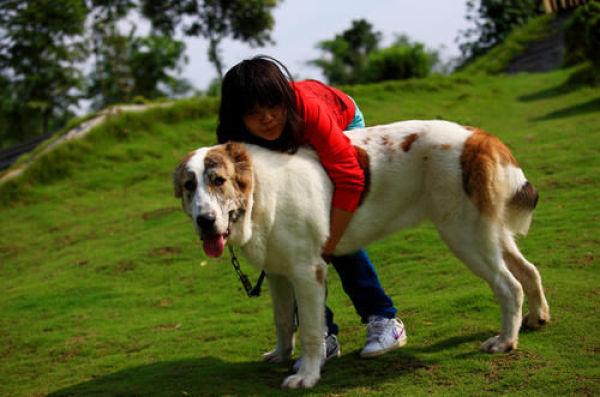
{"x": 287, "y": 223}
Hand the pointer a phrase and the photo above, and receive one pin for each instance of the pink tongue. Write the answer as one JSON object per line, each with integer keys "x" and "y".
{"x": 214, "y": 245}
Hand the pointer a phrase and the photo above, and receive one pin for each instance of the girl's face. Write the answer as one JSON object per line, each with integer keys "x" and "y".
{"x": 266, "y": 122}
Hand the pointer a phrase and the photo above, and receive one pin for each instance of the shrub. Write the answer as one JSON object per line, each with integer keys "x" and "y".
{"x": 398, "y": 62}
{"x": 582, "y": 35}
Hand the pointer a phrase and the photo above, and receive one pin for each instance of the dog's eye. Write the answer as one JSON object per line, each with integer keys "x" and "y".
{"x": 190, "y": 186}
{"x": 218, "y": 181}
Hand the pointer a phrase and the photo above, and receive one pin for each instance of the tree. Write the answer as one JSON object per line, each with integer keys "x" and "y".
{"x": 110, "y": 80}
{"x": 494, "y": 20}
{"x": 582, "y": 35}
{"x": 151, "y": 59}
{"x": 247, "y": 20}
{"x": 127, "y": 66}
{"x": 354, "y": 57}
{"x": 40, "y": 45}
{"x": 347, "y": 53}
{"x": 402, "y": 60}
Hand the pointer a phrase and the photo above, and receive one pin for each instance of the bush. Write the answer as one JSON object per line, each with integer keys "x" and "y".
{"x": 582, "y": 35}
{"x": 398, "y": 62}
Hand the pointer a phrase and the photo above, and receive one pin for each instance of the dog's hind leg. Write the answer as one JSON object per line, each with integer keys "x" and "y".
{"x": 529, "y": 277}
{"x": 282, "y": 295}
{"x": 477, "y": 244}
{"x": 310, "y": 298}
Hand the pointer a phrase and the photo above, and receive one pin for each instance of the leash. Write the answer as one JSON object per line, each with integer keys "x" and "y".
{"x": 251, "y": 291}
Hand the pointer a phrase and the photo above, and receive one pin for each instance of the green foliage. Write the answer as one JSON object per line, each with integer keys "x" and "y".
{"x": 40, "y": 45}
{"x": 582, "y": 35}
{"x": 129, "y": 66}
{"x": 105, "y": 290}
{"x": 398, "y": 62}
{"x": 494, "y": 20}
{"x": 347, "y": 53}
{"x": 247, "y": 20}
{"x": 497, "y": 59}
{"x": 354, "y": 57}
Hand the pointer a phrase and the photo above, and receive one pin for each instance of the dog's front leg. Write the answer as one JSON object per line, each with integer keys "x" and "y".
{"x": 282, "y": 294}
{"x": 310, "y": 298}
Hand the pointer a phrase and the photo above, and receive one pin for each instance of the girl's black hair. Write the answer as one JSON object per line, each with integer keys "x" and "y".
{"x": 259, "y": 81}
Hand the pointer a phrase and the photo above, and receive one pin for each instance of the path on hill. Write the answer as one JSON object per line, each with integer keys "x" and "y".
{"x": 77, "y": 132}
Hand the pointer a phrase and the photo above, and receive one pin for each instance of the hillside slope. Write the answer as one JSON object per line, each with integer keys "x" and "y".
{"x": 106, "y": 290}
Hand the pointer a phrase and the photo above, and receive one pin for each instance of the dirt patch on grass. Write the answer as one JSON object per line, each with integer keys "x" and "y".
{"x": 167, "y": 327}
{"x": 158, "y": 213}
{"x": 165, "y": 251}
{"x": 9, "y": 250}
{"x": 125, "y": 266}
{"x": 508, "y": 362}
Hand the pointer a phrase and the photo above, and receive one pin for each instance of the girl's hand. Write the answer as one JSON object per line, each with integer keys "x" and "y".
{"x": 339, "y": 222}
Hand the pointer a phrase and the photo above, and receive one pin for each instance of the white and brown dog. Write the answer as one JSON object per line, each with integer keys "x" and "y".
{"x": 276, "y": 207}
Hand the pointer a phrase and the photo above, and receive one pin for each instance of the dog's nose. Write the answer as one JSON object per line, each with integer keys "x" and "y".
{"x": 206, "y": 221}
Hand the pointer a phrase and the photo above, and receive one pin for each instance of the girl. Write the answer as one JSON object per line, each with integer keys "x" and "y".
{"x": 261, "y": 105}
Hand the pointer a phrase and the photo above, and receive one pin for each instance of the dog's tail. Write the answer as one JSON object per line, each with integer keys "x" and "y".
{"x": 519, "y": 209}
{"x": 496, "y": 184}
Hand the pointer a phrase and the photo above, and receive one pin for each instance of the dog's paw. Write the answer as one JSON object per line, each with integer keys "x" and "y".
{"x": 497, "y": 344}
{"x": 534, "y": 322}
{"x": 277, "y": 356}
{"x": 300, "y": 381}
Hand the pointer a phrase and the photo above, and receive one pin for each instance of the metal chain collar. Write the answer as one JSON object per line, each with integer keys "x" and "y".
{"x": 252, "y": 292}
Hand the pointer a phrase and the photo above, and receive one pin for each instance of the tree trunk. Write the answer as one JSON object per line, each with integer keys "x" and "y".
{"x": 214, "y": 56}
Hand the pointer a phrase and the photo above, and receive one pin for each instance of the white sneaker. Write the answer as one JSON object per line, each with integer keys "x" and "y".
{"x": 383, "y": 335}
{"x": 332, "y": 349}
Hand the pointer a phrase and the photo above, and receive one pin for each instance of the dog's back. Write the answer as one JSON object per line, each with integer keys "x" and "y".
{"x": 425, "y": 169}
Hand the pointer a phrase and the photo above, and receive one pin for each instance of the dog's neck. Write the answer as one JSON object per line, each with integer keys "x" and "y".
{"x": 241, "y": 229}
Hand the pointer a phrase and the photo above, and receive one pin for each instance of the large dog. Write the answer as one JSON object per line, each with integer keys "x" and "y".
{"x": 276, "y": 207}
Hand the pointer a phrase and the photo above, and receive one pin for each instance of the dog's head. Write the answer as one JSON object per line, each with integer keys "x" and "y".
{"x": 215, "y": 186}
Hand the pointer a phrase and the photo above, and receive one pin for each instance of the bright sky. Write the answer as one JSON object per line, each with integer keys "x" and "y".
{"x": 301, "y": 24}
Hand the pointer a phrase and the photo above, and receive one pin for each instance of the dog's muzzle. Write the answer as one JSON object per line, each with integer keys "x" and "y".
{"x": 213, "y": 241}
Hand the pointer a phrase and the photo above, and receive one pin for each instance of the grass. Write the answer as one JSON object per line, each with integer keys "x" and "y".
{"x": 498, "y": 58}
{"x": 105, "y": 289}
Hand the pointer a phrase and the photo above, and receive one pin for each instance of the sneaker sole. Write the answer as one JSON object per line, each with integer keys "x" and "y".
{"x": 399, "y": 343}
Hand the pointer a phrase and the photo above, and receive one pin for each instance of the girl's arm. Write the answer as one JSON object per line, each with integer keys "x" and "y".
{"x": 339, "y": 223}
{"x": 338, "y": 157}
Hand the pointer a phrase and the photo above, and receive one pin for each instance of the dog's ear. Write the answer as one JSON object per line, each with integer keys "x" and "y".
{"x": 179, "y": 175}
{"x": 240, "y": 157}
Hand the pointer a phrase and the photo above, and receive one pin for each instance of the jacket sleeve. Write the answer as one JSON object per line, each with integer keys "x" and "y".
{"x": 337, "y": 155}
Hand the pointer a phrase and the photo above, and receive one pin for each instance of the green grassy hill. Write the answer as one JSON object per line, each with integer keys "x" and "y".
{"x": 105, "y": 289}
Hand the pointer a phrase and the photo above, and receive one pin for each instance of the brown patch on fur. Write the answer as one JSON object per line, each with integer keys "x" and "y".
{"x": 364, "y": 163}
{"x": 446, "y": 146}
{"x": 242, "y": 164}
{"x": 385, "y": 141}
{"x": 481, "y": 154}
{"x": 408, "y": 141}
{"x": 367, "y": 140}
{"x": 526, "y": 197}
{"x": 320, "y": 274}
{"x": 180, "y": 174}
{"x": 231, "y": 162}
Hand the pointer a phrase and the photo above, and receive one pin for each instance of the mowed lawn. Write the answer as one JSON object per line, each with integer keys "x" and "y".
{"x": 105, "y": 289}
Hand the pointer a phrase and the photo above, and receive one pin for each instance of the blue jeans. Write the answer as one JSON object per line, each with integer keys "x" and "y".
{"x": 358, "y": 276}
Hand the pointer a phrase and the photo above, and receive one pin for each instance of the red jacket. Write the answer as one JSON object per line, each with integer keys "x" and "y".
{"x": 326, "y": 112}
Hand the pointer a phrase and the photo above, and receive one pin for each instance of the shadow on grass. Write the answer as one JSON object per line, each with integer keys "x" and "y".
{"x": 590, "y": 106}
{"x": 456, "y": 341}
{"x": 213, "y": 376}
